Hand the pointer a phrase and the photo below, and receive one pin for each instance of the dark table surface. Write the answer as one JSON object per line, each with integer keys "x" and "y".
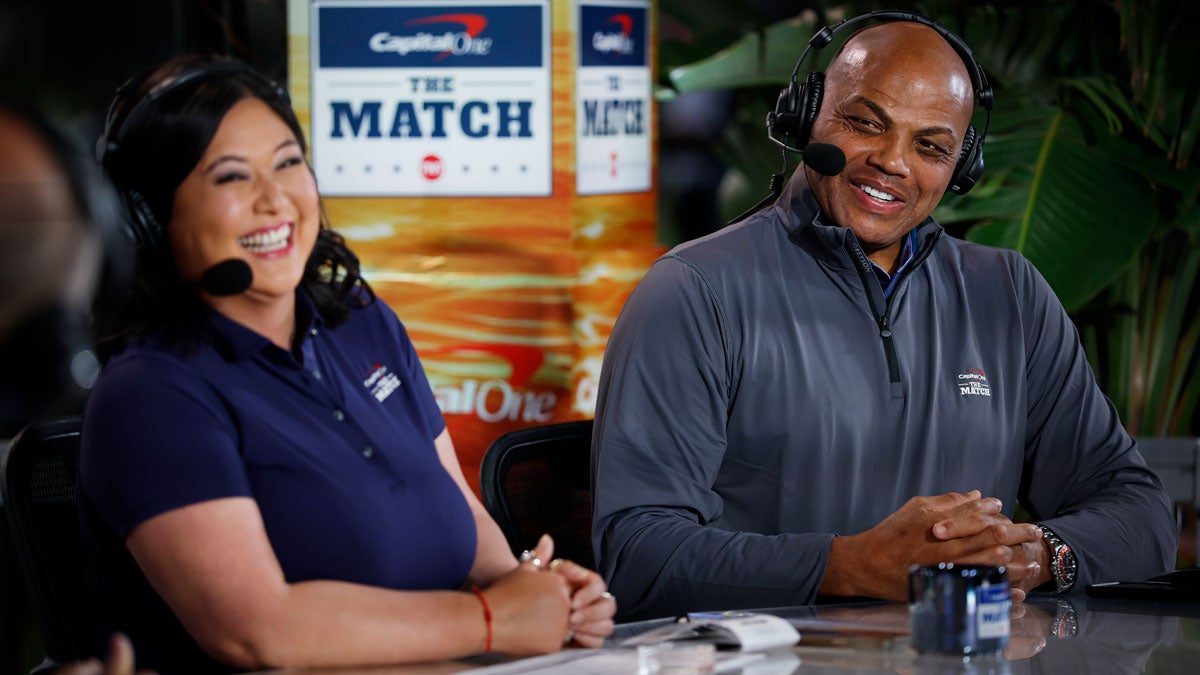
{"x": 1073, "y": 634}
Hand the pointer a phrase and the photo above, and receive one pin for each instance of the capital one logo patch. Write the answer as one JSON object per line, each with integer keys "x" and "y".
{"x": 381, "y": 382}
{"x": 973, "y": 383}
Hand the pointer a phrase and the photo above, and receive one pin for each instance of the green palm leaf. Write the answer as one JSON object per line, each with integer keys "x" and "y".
{"x": 763, "y": 57}
{"x": 1064, "y": 195}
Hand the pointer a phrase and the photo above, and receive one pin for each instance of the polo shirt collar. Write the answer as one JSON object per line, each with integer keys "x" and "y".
{"x": 236, "y": 341}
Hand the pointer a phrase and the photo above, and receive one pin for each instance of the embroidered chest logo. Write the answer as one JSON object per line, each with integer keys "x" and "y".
{"x": 973, "y": 383}
{"x": 381, "y": 382}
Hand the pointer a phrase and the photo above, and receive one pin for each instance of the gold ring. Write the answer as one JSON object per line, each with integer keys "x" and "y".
{"x": 530, "y": 557}
{"x": 555, "y": 563}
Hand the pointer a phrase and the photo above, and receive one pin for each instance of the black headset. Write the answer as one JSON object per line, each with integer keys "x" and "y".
{"x": 798, "y": 105}
{"x": 146, "y": 229}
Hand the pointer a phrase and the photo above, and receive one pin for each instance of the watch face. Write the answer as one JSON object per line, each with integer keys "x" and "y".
{"x": 1062, "y": 561}
{"x": 1066, "y": 623}
{"x": 1066, "y": 568}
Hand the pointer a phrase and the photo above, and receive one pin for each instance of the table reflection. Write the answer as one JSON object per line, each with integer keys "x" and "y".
{"x": 1048, "y": 635}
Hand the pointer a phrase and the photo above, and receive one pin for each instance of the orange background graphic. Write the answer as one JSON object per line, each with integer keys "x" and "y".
{"x": 509, "y": 300}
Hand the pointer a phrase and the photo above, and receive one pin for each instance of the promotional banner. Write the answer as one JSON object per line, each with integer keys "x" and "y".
{"x": 613, "y": 106}
{"x": 445, "y": 140}
{"x": 431, "y": 99}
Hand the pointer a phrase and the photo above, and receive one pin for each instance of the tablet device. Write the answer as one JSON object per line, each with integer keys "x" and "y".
{"x": 1178, "y": 585}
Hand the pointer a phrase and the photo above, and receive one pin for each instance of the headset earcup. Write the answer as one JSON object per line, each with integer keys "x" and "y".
{"x": 970, "y": 164}
{"x": 146, "y": 230}
{"x": 808, "y": 106}
{"x": 783, "y": 120}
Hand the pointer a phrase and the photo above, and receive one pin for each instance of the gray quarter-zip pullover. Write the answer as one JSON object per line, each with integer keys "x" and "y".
{"x": 759, "y": 395}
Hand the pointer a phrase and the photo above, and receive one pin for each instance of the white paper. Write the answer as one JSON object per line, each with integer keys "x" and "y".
{"x": 597, "y": 662}
{"x": 746, "y": 631}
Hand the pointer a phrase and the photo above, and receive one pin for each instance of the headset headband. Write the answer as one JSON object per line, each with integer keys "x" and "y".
{"x": 110, "y": 141}
{"x": 146, "y": 229}
{"x": 979, "y": 83}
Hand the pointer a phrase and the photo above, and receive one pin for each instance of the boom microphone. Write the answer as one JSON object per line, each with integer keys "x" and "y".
{"x": 825, "y": 159}
{"x": 228, "y": 277}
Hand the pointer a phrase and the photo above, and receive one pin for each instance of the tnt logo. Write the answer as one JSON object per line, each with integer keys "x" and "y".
{"x": 431, "y": 167}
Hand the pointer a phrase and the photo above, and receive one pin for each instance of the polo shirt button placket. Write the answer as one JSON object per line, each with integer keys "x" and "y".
{"x": 339, "y": 415}
{"x": 368, "y": 452}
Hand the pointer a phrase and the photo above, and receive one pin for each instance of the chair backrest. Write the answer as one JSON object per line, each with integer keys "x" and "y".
{"x": 537, "y": 480}
{"x": 38, "y": 480}
{"x": 1176, "y": 460}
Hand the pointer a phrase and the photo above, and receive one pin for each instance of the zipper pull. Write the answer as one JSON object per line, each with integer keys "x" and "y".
{"x": 884, "y": 331}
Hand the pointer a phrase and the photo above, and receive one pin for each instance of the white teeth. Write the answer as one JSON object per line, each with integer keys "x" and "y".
{"x": 877, "y": 194}
{"x": 268, "y": 241}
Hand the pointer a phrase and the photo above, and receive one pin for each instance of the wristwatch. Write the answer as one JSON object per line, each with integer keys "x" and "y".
{"x": 1062, "y": 561}
{"x": 1066, "y": 622}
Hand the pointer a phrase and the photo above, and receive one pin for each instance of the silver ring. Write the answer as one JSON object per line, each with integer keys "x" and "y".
{"x": 530, "y": 557}
{"x": 610, "y": 596}
{"x": 570, "y": 635}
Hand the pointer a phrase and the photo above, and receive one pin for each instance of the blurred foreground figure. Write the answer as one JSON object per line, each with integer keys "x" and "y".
{"x": 50, "y": 261}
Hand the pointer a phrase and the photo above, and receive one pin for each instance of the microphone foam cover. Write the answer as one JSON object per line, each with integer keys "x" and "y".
{"x": 825, "y": 159}
{"x": 228, "y": 277}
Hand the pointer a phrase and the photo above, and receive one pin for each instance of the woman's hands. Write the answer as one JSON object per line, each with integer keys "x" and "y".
{"x": 592, "y": 606}
{"x": 530, "y": 611}
{"x": 536, "y": 613}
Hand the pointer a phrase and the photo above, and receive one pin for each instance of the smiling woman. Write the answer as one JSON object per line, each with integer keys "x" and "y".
{"x": 250, "y": 196}
{"x": 265, "y": 477}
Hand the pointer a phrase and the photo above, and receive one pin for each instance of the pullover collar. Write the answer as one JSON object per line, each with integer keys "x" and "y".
{"x": 798, "y": 210}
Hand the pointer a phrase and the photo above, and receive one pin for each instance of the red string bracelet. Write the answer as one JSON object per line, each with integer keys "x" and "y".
{"x": 487, "y": 616}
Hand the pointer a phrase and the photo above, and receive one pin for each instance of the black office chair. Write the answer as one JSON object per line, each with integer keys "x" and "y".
{"x": 536, "y": 481}
{"x": 39, "y": 495}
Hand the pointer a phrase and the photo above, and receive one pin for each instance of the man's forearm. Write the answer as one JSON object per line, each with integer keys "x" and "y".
{"x": 661, "y": 563}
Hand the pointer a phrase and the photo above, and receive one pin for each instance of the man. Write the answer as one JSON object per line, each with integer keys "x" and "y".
{"x": 813, "y": 400}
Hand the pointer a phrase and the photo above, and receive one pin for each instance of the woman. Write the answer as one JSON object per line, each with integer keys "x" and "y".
{"x": 266, "y": 479}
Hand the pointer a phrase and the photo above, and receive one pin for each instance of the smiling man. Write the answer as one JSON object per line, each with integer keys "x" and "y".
{"x": 812, "y": 400}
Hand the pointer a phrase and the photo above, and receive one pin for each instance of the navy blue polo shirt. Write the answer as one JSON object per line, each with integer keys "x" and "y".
{"x": 336, "y": 447}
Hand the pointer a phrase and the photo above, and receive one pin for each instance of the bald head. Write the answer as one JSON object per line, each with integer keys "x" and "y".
{"x": 897, "y": 100}
{"x": 914, "y": 53}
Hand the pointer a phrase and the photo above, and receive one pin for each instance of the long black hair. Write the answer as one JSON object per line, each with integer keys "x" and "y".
{"x": 158, "y": 127}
